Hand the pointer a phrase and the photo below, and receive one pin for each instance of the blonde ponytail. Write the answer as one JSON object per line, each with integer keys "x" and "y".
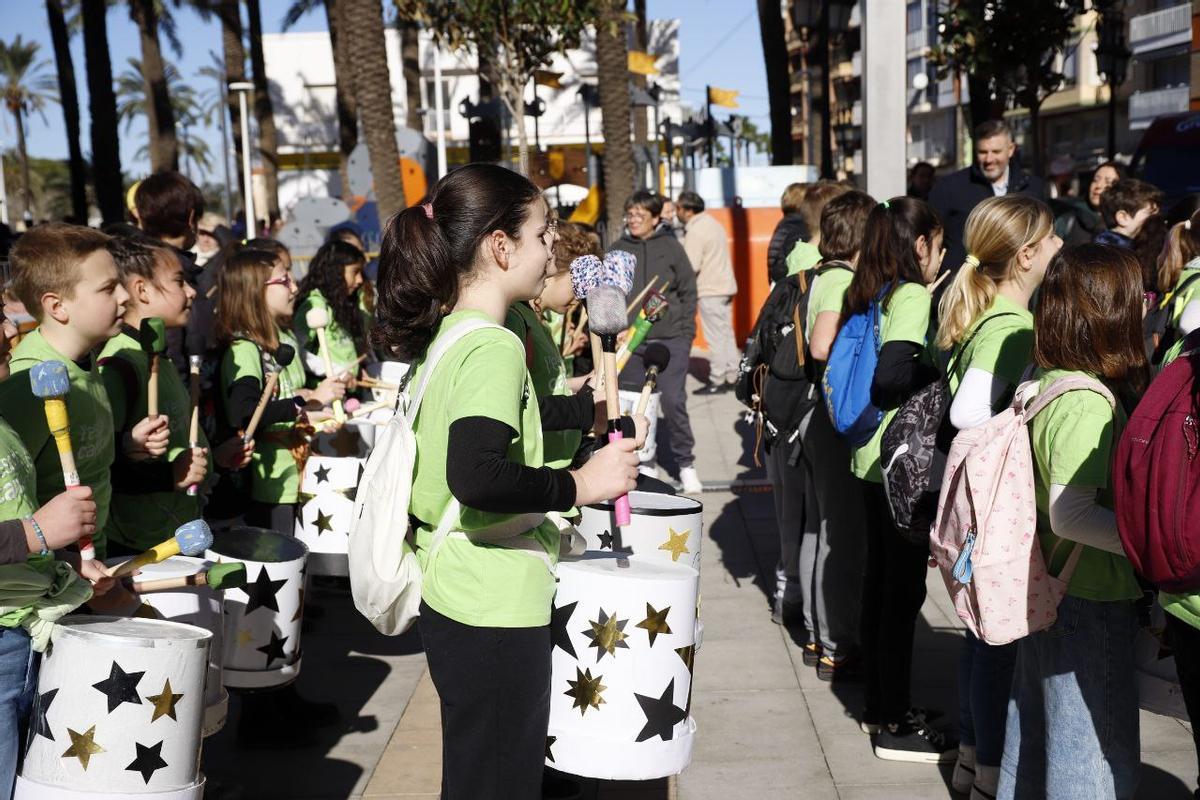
{"x": 1182, "y": 245}
{"x": 995, "y": 233}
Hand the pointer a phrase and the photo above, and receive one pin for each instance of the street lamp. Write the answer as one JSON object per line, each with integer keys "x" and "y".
{"x": 1112, "y": 60}
{"x": 243, "y": 89}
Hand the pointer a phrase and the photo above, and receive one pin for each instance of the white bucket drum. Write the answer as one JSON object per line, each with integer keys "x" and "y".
{"x": 390, "y": 372}
{"x": 193, "y": 605}
{"x": 662, "y": 526}
{"x": 623, "y": 656}
{"x": 118, "y": 711}
{"x": 325, "y": 507}
{"x": 262, "y": 620}
{"x": 629, "y": 402}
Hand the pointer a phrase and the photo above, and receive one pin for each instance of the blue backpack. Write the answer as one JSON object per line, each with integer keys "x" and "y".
{"x": 849, "y": 372}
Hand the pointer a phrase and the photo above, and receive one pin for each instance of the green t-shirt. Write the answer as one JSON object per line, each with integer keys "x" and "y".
{"x": 803, "y": 256}
{"x": 273, "y": 474}
{"x": 549, "y": 375}
{"x": 92, "y": 437}
{"x": 140, "y": 521}
{"x": 1001, "y": 346}
{"x": 1180, "y": 297}
{"x": 18, "y": 479}
{"x": 1073, "y": 440}
{"x": 904, "y": 319}
{"x": 342, "y": 350}
{"x": 484, "y": 585}
{"x": 827, "y": 293}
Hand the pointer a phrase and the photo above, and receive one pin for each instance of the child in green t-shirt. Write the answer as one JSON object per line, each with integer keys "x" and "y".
{"x": 1088, "y": 323}
{"x": 901, "y": 253}
{"x": 256, "y": 298}
{"x": 333, "y": 284}
{"x": 985, "y": 321}
{"x": 150, "y": 499}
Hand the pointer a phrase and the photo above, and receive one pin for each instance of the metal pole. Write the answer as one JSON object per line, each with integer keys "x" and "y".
{"x": 243, "y": 88}
{"x": 884, "y": 95}
{"x": 587, "y": 141}
{"x": 439, "y": 104}
{"x": 712, "y": 128}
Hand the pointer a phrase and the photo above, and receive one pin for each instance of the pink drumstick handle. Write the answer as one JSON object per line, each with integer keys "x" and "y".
{"x": 621, "y": 504}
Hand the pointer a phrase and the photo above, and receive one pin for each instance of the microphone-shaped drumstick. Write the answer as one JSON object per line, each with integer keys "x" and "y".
{"x": 152, "y": 335}
{"x": 218, "y": 577}
{"x": 50, "y": 382}
{"x": 194, "y": 432}
{"x": 317, "y": 319}
{"x": 585, "y": 276}
{"x": 606, "y": 307}
{"x": 656, "y": 358}
{"x": 283, "y": 356}
{"x": 190, "y": 539}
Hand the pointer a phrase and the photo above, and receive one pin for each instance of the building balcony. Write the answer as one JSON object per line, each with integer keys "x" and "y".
{"x": 1145, "y": 106}
{"x": 1166, "y": 27}
{"x": 917, "y": 41}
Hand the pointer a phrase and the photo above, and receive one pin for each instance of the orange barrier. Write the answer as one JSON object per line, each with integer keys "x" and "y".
{"x": 749, "y": 231}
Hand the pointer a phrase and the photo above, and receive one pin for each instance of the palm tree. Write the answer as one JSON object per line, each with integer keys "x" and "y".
{"x": 268, "y": 148}
{"x": 775, "y": 56}
{"x": 187, "y": 106}
{"x": 641, "y": 42}
{"x": 373, "y": 90}
{"x": 612, "y": 71}
{"x": 69, "y": 100}
{"x": 164, "y": 147}
{"x": 27, "y": 86}
{"x": 102, "y": 108}
{"x": 229, "y": 14}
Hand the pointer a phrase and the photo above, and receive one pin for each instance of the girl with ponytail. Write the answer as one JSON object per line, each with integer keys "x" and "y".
{"x": 481, "y": 242}
{"x": 1179, "y": 283}
{"x": 985, "y": 319}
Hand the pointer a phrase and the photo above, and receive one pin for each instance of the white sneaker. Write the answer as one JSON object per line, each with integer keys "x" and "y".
{"x": 650, "y": 470}
{"x": 690, "y": 480}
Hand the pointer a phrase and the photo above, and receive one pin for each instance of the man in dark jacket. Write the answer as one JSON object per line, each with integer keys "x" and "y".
{"x": 659, "y": 254}
{"x": 993, "y": 174}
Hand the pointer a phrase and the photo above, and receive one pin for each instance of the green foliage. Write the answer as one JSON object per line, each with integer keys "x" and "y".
{"x": 49, "y": 184}
{"x": 190, "y": 111}
{"x": 26, "y": 84}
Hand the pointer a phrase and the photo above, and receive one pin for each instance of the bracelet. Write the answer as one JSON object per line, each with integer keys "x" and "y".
{"x": 41, "y": 537}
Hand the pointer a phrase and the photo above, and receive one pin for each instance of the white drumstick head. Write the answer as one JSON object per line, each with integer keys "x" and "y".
{"x": 317, "y": 318}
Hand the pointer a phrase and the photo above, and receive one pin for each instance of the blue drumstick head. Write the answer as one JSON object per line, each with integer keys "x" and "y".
{"x": 617, "y": 270}
{"x": 194, "y": 537}
{"x": 585, "y": 275}
{"x": 49, "y": 379}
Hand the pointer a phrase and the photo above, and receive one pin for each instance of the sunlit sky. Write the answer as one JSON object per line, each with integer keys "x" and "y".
{"x": 719, "y": 45}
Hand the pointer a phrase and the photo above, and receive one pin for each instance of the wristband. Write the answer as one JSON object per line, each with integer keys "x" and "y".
{"x": 41, "y": 537}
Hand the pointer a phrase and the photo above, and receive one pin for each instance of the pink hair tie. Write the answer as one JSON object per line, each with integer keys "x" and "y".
{"x": 428, "y": 207}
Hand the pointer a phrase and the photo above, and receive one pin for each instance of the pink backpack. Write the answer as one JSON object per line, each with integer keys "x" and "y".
{"x": 984, "y": 540}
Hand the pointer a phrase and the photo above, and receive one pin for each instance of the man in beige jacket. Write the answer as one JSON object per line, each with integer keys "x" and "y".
{"x": 708, "y": 249}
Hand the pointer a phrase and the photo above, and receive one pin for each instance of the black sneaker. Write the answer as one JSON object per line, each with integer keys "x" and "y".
{"x": 831, "y": 669}
{"x": 811, "y": 654}
{"x": 914, "y": 741}
{"x": 871, "y": 726}
{"x": 713, "y": 388}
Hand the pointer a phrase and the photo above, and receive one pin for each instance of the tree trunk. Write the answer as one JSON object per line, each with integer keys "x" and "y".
{"x": 612, "y": 69}
{"x": 343, "y": 76}
{"x": 160, "y": 118}
{"x": 268, "y": 147}
{"x": 373, "y": 91}
{"x": 514, "y": 98}
{"x": 69, "y": 100}
{"x": 775, "y": 56}
{"x": 234, "y": 54}
{"x": 102, "y": 108}
{"x": 410, "y": 61}
{"x": 641, "y": 38}
{"x": 23, "y": 158}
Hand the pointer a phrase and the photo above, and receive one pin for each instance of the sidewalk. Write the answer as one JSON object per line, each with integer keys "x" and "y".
{"x": 767, "y": 727}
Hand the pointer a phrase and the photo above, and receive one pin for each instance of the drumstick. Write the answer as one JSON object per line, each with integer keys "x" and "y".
{"x": 372, "y": 383}
{"x": 190, "y": 539}
{"x": 194, "y": 432}
{"x": 318, "y": 319}
{"x": 608, "y": 319}
{"x": 637, "y": 301}
{"x": 218, "y": 577}
{"x": 268, "y": 390}
{"x": 152, "y": 335}
{"x": 656, "y": 358}
{"x": 931, "y": 288}
{"x": 49, "y": 381}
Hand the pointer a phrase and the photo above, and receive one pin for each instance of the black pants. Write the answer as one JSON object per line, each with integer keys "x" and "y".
{"x": 672, "y": 385}
{"x": 893, "y": 592}
{"x": 494, "y": 685}
{"x": 1185, "y": 641}
{"x": 787, "y": 482}
{"x": 278, "y": 517}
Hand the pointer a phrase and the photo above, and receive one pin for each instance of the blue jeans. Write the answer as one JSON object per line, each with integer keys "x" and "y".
{"x": 985, "y": 674}
{"x": 1073, "y": 716}
{"x": 18, "y": 683}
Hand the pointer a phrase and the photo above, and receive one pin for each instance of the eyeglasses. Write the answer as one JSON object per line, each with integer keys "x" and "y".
{"x": 286, "y": 280}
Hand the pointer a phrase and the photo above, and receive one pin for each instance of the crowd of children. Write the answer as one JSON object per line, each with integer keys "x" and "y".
{"x": 1055, "y": 713}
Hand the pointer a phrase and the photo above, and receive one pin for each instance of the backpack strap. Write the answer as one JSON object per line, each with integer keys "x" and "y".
{"x": 1060, "y": 387}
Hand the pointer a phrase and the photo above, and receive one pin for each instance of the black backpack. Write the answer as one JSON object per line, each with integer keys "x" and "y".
{"x": 1159, "y": 334}
{"x": 912, "y": 452}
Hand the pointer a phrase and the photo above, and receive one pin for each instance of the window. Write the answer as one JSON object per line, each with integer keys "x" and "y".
{"x": 1170, "y": 71}
{"x": 915, "y": 17}
{"x": 430, "y": 98}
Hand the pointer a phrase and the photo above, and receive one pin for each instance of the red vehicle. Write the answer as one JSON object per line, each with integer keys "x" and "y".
{"x": 1169, "y": 155}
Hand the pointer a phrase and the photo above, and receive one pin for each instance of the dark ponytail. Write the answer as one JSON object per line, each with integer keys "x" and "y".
{"x": 889, "y": 250}
{"x": 429, "y": 249}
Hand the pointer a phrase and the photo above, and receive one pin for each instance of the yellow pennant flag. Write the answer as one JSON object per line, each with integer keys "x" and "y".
{"x": 544, "y": 77}
{"x": 723, "y": 97}
{"x": 642, "y": 63}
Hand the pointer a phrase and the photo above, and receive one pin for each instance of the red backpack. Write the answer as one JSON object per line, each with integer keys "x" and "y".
{"x": 1156, "y": 478}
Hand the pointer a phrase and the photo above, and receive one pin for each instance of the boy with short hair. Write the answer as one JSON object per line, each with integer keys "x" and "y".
{"x": 66, "y": 278}
{"x": 1125, "y": 206}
